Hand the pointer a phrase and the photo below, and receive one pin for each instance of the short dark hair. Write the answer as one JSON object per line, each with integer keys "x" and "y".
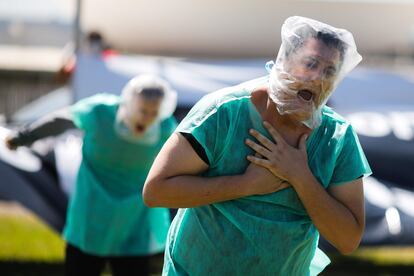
{"x": 303, "y": 33}
{"x": 152, "y": 93}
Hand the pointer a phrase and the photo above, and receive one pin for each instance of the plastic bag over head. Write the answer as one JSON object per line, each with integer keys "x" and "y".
{"x": 145, "y": 101}
{"x": 313, "y": 58}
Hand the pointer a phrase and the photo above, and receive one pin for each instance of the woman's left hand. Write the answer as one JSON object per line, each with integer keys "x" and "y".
{"x": 283, "y": 160}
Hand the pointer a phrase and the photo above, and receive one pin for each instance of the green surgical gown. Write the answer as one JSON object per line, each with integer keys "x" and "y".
{"x": 106, "y": 214}
{"x": 256, "y": 235}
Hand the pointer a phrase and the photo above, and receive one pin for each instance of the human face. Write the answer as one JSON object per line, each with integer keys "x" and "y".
{"x": 142, "y": 114}
{"x": 312, "y": 70}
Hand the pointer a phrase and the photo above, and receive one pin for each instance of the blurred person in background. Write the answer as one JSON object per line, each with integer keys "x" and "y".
{"x": 94, "y": 45}
{"x": 107, "y": 221}
{"x": 260, "y": 169}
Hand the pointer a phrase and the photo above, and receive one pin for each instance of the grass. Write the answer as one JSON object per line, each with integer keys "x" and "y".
{"x": 379, "y": 256}
{"x": 24, "y": 237}
{"x": 384, "y": 261}
{"x": 29, "y": 247}
{"x": 386, "y": 255}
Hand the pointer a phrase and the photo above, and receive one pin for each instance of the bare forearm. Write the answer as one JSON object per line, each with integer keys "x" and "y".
{"x": 175, "y": 179}
{"x": 190, "y": 191}
{"x": 334, "y": 220}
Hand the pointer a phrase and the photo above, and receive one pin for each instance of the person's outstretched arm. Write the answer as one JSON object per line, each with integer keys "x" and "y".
{"x": 51, "y": 125}
{"x": 174, "y": 179}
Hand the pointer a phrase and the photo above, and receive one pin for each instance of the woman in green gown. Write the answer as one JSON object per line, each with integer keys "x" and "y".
{"x": 107, "y": 221}
{"x": 261, "y": 168}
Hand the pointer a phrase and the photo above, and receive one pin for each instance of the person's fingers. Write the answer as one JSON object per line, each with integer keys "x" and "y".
{"x": 262, "y": 139}
{"x": 284, "y": 184}
{"x": 258, "y": 148}
{"x": 259, "y": 161}
{"x": 275, "y": 134}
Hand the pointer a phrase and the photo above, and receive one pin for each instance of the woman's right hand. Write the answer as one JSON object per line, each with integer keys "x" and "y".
{"x": 260, "y": 181}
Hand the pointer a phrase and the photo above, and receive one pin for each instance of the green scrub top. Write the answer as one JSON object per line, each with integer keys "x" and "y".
{"x": 264, "y": 234}
{"x": 106, "y": 214}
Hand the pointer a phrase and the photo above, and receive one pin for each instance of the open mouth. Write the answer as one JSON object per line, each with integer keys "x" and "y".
{"x": 139, "y": 128}
{"x": 305, "y": 94}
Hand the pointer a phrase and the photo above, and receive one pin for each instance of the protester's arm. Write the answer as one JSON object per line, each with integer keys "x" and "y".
{"x": 174, "y": 180}
{"x": 50, "y": 125}
{"x": 338, "y": 212}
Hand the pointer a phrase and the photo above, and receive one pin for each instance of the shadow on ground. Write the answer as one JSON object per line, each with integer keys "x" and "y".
{"x": 27, "y": 268}
{"x": 345, "y": 267}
